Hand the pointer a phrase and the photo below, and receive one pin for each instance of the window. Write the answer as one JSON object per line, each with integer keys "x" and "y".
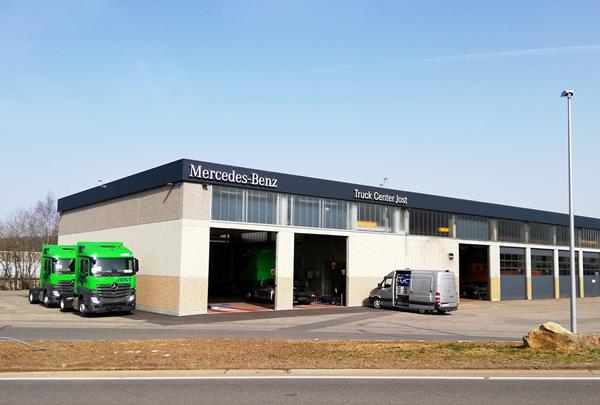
{"x": 472, "y": 227}
{"x": 228, "y": 204}
{"x": 262, "y": 207}
{"x": 335, "y": 214}
{"x": 421, "y": 285}
{"x": 511, "y": 231}
{"x": 542, "y": 262}
{"x": 512, "y": 261}
{"x": 112, "y": 267}
{"x": 591, "y": 263}
{"x": 564, "y": 262}
{"x": 434, "y": 223}
{"x": 374, "y": 217}
{"x": 562, "y": 235}
{"x": 64, "y": 266}
{"x": 541, "y": 233}
{"x": 587, "y": 238}
{"x": 387, "y": 282}
{"x": 306, "y": 211}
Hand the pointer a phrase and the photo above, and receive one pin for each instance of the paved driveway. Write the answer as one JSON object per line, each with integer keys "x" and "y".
{"x": 475, "y": 320}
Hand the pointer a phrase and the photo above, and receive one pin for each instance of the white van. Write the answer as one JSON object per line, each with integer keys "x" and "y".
{"x": 423, "y": 290}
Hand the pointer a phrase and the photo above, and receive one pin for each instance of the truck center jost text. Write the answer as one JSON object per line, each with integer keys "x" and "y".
{"x": 90, "y": 276}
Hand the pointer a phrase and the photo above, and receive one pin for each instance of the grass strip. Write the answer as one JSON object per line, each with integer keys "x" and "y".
{"x": 198, "y": 354}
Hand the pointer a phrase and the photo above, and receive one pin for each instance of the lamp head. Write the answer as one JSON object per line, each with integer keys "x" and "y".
{"x": 567, "y": 93}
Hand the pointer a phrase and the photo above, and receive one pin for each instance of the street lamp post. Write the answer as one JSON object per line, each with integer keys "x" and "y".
{"x": 569, "y": 95}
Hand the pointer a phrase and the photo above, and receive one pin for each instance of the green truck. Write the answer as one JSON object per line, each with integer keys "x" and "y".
{"x": 57, "y": 274}
{"x": 104, "y": 279}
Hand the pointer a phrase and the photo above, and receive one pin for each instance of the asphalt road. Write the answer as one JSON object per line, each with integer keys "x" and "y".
{"x": 301, "y": 391}
{"x": 475, "y": 320}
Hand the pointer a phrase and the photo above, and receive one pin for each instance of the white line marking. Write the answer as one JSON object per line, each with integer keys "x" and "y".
{"x": 302, "y": 377}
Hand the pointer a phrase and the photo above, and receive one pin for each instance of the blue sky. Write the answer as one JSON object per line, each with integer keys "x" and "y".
{"x": 456, "y": 98}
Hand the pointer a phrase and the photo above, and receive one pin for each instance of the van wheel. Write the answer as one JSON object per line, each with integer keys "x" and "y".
{"x": 377, "y": 303}
{"x": 421, "y": 310}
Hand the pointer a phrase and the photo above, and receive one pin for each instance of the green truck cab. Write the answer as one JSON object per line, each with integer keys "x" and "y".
{"x": 105, "y": 279}
{"x": 57, "y": 274}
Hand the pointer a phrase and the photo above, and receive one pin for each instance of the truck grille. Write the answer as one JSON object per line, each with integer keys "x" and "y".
{"x": 113, "y": 292}
{"x": 65, "y": 287}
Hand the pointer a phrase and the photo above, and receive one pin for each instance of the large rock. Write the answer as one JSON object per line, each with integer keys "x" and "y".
{"x": 552, "y": 336}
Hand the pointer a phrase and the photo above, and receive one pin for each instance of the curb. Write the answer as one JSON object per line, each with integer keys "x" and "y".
{"x": 302, "y": 373}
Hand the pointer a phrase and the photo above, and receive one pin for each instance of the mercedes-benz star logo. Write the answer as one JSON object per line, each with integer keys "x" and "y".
{"x": 114, "y": 286}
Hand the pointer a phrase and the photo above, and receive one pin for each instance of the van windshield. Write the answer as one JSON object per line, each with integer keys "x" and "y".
{"x": 112, "y": 267}
{"x": 64, "y": 266}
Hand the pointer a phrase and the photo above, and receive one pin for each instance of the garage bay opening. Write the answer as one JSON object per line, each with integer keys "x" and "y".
{"x": 241, "y": 274}
{"x": 319, "y": 269}
{"x": 474, "y": 278}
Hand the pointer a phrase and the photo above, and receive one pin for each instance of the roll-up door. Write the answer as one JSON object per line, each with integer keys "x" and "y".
{"x": 512, "y": 273}
{"x": 591, "y": 274}
{"x": 564, "y": 264}
{"x": 542, "y": 279}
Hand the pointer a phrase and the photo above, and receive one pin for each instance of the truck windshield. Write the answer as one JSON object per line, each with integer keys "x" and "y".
{"x": 107, "y": 267}
{"x": 64, "y": 266}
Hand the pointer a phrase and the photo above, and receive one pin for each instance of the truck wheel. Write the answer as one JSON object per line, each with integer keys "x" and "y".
{"x": 81, "y": 308}
{"x": 377, "y": 303}
{"x": 32, "y": 297}
{"x": 421, "y": 311}
{"x": 46, "y": 300}
{"x": 64, "y": 305}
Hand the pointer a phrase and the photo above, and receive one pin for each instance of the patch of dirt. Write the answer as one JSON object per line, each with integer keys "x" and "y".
{"x": 197, "y": 354}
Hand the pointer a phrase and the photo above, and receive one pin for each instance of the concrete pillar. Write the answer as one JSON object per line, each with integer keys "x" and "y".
{"x": 556, "y": 274}
{"x": 528, "y": 280}
{"x": 353, "y": 212}
{"x": 494, "y": 229}
{"x": 284, "y": 270}
{"x": 193, "y": 280}
{"x": 580, "y": 275}
{"x": 397, "y": 212}
{"x": 284, "y": 215}
{"x": 452, "y": 226}
{"x": 495, "y": 273}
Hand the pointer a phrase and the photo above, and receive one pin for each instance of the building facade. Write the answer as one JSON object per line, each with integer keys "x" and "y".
{"x": 207, "y": 233}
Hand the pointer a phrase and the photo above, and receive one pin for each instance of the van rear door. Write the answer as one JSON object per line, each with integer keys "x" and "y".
{"x": 447, "y": 288}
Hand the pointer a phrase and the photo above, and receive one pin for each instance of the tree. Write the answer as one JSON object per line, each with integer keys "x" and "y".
{"x": 22, "y": 235}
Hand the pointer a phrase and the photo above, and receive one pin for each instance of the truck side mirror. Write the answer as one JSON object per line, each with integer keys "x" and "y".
{"x": 379, "y": 285}
{"x": 136, "y": 266}
{"x": 84, "y": 267}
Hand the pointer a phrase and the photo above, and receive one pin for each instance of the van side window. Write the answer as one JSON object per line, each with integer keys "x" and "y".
{"x": 387, "y": 282}
{"x": 421, "y": 284}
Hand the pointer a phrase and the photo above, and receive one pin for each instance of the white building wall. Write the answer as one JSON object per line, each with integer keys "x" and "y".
{"x": 193, "y": 279}
{"x": 369, "y": 258}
